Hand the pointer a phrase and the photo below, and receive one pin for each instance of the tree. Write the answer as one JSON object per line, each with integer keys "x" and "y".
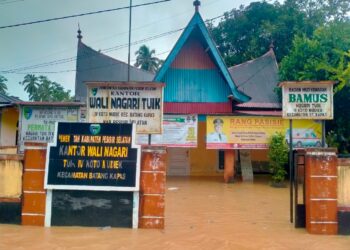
{"x": 338, "y": 129}
{"x": 325, "y": 10}
{"x": 31, "y": 83}
{"x": 246, "y": 33}
{"x": 278, "y": 157}
{"x": 3, "y": 86}
{"x": 42, "y": 89}
{"x": 325, "y": 56}
{"x": 146, "y": 60}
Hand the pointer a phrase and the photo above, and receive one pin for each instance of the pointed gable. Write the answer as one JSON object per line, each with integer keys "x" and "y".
{"x": 193, "y": 56}
{"x": 95, "y": 66}
{"x": 194, "y": 71}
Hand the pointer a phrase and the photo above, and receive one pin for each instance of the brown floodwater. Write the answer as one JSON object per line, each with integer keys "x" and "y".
{"x": 201, "y": 213}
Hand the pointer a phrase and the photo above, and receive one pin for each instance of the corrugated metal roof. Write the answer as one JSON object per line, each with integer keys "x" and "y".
{"x": 193, "y": 56}
{"x": 95, "y": 66}
{"x": 257, "y": 78}
{"x": 52, "y": 104}
{"x": 4, "y": 105}
{"x": 197, "y": 108}
{"x": 5, "y": 99}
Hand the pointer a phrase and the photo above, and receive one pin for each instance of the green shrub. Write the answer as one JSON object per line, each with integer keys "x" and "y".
{"x": 278, "y": 157}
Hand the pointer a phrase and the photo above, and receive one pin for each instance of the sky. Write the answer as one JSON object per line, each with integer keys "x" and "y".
{"x": 31, "y": 45}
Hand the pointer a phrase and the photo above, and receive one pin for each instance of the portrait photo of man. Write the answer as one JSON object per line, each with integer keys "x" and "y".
{"x": 217, "y": 135}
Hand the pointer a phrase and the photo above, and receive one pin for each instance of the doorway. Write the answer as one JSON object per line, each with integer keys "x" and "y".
{"x": 178, "y": 162}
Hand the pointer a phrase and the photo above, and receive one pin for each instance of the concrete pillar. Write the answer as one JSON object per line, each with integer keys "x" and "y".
{"x": 229, "y": 167}
{"x": 34, "y": 194}
{"x": 321, "y": 191}
{"x": 152, "y": 187}
{"x": 344, "y": 196}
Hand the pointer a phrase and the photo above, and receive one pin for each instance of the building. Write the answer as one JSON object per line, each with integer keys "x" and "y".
{"x": 9, "y": 114}
{"x": 199, "y": 84}
{"x": 95, "y": 66}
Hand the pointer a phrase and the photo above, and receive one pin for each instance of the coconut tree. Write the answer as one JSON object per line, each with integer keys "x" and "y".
{"x": 44, "y": 90}
{"x": 146, "y": 60}
{"x": 3, "y": 86}
{"x": 31, "y": 83}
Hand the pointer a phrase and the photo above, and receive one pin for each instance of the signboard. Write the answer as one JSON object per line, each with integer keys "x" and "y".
{"x": 249, "y": 132}
{"x": 138, "y": 103}
{"x": 37, "y": 123}
{"x": 307, "y": 101}
{"x": 93, "y": 156}
{"x": 178, "y": 131}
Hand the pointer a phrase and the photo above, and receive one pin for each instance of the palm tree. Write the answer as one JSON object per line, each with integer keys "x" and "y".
{"x": 45, "y": 89}
{"x": 31, "y": 83}
{"x": 3, "y": 86}
{"x": 146, "y": 60}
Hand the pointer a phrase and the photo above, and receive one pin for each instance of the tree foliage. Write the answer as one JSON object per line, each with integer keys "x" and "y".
{"x": 278, "y": 157}
{"x": 3, "y": 86}
{"x": 247, "y": 32}
{"x": 42, "y": 89}
{"x": 146, "y": 60}
{"x": 338, "y": 134}
{"x": 325, "y": 56}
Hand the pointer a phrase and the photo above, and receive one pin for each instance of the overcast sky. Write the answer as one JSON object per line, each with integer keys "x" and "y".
{"x": 51, "y": 41}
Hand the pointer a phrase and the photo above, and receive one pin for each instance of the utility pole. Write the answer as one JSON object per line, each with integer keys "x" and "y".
{"x": 129, "y": 45}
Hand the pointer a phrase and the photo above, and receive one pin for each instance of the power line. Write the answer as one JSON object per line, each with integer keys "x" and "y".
{"x": 67, "y": 60}
{"x": 107, "y": 50}
{"x": 82, "y": 70}
{"x": 82, "y": 14}
{"x": 10, "y": 1}
{"x": 122, "y": 33}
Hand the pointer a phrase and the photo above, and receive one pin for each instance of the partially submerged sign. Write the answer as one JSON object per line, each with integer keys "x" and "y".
{"x": 37, "y": 122}
{"x": 127, "y": 102}
{"x": 93, "y": 156}
{"x": 307, "y": 100}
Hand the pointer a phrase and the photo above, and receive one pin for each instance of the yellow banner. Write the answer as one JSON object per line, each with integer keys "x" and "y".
{"x": 252, "y": 132}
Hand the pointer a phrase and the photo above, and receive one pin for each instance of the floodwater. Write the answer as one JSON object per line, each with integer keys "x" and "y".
{"x": 201, "y": 213}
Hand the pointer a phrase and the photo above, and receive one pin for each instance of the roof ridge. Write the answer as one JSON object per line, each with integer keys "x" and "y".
{"x": 9, "y": 98}
{"x": 112, "y": 58}
{"x": 270, "y": 51}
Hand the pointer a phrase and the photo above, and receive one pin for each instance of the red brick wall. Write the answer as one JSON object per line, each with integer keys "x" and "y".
{"x": 152, "y": 187}
{"x": 34, "y": 194}
{"x": 321, "y": 191}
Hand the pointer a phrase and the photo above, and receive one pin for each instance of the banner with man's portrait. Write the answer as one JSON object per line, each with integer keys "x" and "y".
{"x": 253, "y": 132}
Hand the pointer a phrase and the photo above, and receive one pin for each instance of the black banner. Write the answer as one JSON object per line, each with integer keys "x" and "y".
{"x": 91, "y": 156}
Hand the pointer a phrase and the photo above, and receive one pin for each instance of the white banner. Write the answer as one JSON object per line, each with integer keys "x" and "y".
{"x": 37, "y": 123}
{"x": 138, "y": 103}
{"x": 178, "y": 131}
{"x": 307, "y": 101}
